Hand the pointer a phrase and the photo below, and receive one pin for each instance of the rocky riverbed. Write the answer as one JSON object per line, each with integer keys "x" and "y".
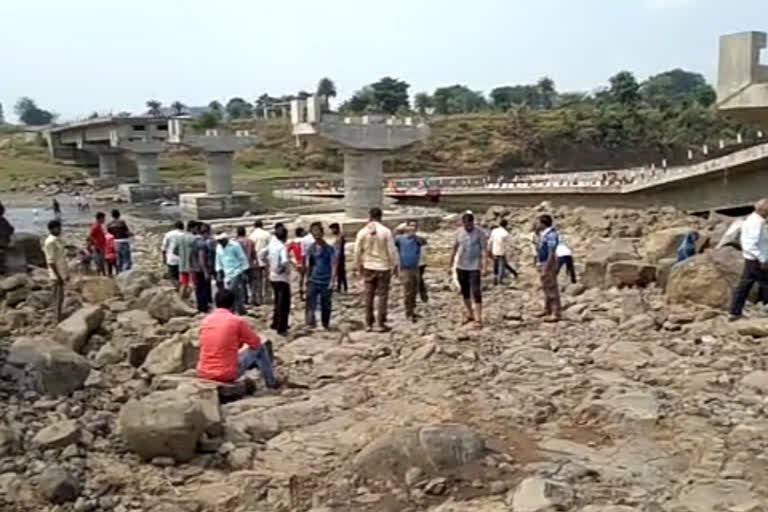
{"x": 640, "y": 400}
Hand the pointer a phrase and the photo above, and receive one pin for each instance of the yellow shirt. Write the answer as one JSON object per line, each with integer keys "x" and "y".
{"x": 55, "y": 257}
{"x": 375, "y": 248}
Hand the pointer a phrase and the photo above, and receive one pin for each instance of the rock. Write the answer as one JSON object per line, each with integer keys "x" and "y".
{"x": 75, "y": 330}
{"x": 423, "y": 352}
{"x": 16, "y": 297}
{"x": 97, "y": 289}
{"x": 632, "y": 304}
{"x": 756, "y": 381}
{"x": 706, "y": 279}
{"x": 174, "y": 355}
{"x": 618, "y": 249}
{"x": 665, "y": 243}
{"x": 9, "y": 441}
{"x": 136, "y": 353}
{"x": 166, "y": 304}
{"x": 731, "y": 234}
{"x": 132, "y": 282}
{"x": 13, "y": 282}
{"x": 30, "y": 244}
{"x": 136, "y": 319}
{"x": 58, "y": 435}
{"x": 46, "y": 367}
{"x": 429, "y": 447}
{"x": 754, "y": 327}
{"x": 630, "y": 273}
{"x": 537, "y": 495}
{"x": 163, "y": 424}
{"x": 57, "y": 485}
{"x": 107, "y": 355}
{"x": 663, "y": 268}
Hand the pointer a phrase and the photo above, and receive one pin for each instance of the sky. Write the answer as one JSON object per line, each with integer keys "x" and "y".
{"x": 80, "y": 56}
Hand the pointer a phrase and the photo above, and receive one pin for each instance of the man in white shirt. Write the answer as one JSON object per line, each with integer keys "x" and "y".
{"x": 276, "y": 256}
{"x": 565, "y": 258}
{"x": 260, "y": 238}
{"x": 170, "y": 249}
{"x": 497, "y": 248}
{"x": 754, "y": 247}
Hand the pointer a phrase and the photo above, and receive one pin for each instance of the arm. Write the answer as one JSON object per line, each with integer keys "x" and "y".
{"x": 394, "y": 258}
{"x": 164, "y": 248}
{"x": 201, "y": 260}
{"x": 359, "y": 250}
{"x": 454, "y": 250}
{"x": 334, "y": 268}
{"x": 247, "y": 336}
{"x": 219, "y": 267}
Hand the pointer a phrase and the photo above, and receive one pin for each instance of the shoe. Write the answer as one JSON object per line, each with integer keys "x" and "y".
{"x": 735, "y": 318}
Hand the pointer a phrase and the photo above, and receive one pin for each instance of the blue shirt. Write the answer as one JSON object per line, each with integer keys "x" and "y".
{"x": 548, "y": 243}
{"x": 409, "y": 248}
{"x": 321, "y": 258}
{"x": 231, "y": 260}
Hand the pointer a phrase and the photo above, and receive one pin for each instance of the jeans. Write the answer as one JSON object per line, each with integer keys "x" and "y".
{"x": 500, "y": 268}
{"x": 410, "y": 277}
{"x": 422, "y": 285}
{"x": 258, "y": 282}
{"x": 318, "y": 293}
{"x": 569, "y": 268}
{"x": 236, "y": 285}
{"x": 753, "y": 273}
{"x": 203, "y": 292}
{"x": 376, "y": 285}
{"x": 282, "y": 309}
{"x": 257, "y": 358}
{"x": 124, "y": 262}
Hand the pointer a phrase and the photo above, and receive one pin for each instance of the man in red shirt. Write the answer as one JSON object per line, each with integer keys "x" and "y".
{"x": 97, "y": 239}
{"x": 222, "y": 333}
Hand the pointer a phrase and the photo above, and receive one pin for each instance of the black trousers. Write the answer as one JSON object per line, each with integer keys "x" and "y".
{"x": 569, "y": 268}
{"x": 422, "y": 285}
{"x": 753, "y": 273}
{"x": 203, "y": 292}
{"x": 341, "y": 277}
{"x": 282, "y": 306}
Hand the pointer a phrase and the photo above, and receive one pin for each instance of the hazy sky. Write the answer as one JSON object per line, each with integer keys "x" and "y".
{"x": 77, "y": 56}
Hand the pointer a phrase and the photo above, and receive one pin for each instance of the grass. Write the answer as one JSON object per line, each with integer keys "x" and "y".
{"x": 17, "y": 171}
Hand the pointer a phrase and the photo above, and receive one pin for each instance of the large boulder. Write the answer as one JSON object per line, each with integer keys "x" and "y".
{"x": 728, "y": 235}
{"x": 46, "y": 367}
{"x": 166, "y": 423}
{"x": 663, "y": 268}
{"x": 165, "y": 304}
{"x": 97, "y": 289}
{"x": 13, "y": 282}
{"x": 174, "y": 355}
{"x": 665, "y": 243}
{"x": 75, "y": 330}
{"x": 29, "y": 244}
{"x": 58, "y": 435}
{"x": 57, "y": 485}
{"x": 706, "y": 279}
{"x": 630, "y": 273}
{"x": 618, "y": 249}
{"x": 132, "y": 282}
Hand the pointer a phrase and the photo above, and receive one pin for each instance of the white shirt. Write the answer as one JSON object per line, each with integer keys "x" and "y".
{"x": 171, "y": 242}
{"x": 260, "y": 238}
{"x": 754, "y": 242}
{"x": 562, "y": 249}
{"x": 497, "y": 241}
{"x": 306, "y": 241}
{"x": 277, "y": 256}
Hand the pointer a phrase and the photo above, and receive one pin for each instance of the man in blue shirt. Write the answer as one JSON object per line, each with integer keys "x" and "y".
{"x": 321, "y": 273}
{"x": 546, "y": 260}
{"x": 231, "y": 264}
{"x": 409, "y": 248}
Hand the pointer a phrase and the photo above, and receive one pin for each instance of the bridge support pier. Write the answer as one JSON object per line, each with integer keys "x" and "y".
{"x": 218, "y": 177}
{"x": 146, "y": 163}
{"x": 108, "y": 165}
{"x": 363, "y": 175}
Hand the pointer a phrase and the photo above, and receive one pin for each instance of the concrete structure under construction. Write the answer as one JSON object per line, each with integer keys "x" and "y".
{"x": 742, "y": 82}
{"x": 365, "y": 143}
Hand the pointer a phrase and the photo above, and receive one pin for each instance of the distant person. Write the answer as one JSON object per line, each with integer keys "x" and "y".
{"x": 6, "y": 232}
{"x": 222, "y": 333}
{"x": 185, "y": 258}
{"x": 470, "y": 249}
{"x": 56, "y": 207}
{"x": 422, "y": 270}
{"x": 279, "y": 264}
{"x": 260, "y": 238}
{"x": 231, "y": 264}
{"x": 687, "y": 247}
{"x": 754, "y": 248}
{"x": 56, "y": 259}
{"x": 565, "y": 259}
{"x": 248, "y": 248}
{"x": 98, "y": 241}
{"x": 409, "y": 246}
{"x": 170, "y": 250}
{"x": 322, "y": 265}
{"x": 123, "y": 235}
{"x": 110, "y": 254}
{"x": 546, "y": 257}
{"x": 81, "y": 202}
{"x": 376, "y": 260}
{"x": 204, "y": 269}
{"x": 296, "y": 252}
{"x": 340, "y": 244}
{"x": 497, "y": 248}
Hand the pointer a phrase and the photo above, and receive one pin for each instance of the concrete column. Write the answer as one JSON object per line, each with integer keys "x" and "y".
{"x": 218, "y": 178}
{"x": 108, "y": 165}
{"x": 363, "y": 174}
{"x": 146, "y": 163}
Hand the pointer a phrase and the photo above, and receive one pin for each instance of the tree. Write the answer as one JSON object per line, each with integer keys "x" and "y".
{"x": 30, "y": 114}
{"x": 178, "y": 108}
{"x": 238, "y": 108}
{"x": 207, "y": 120}
{"x": 624, "y": 88}
{"x": 360, "y": 101}
{"x": 458, "y": 99}
{"x": 217, "y": 109}
{"x": 677, "y": 86}
{"x": 547, "y": 93}
{"x": 154, "y": 108}
{"x": 326, "y": 89}
{"x": 390, "y": 94}
{"x": 422, "y": 101}
{"x": 569, "y": 99}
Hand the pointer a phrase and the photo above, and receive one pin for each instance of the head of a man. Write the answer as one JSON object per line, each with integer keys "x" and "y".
{"x": 222, "y": 239}
{"x": 468, "y": 221}
{"x": 281, "y": 232}
{"x": 258, "y": 224}
{"x": 317, "y": 232}
{"x": 225, "y": 299}
{"x": 54, "y": 227}
{"x": 335, "y": 228}
{"x": 761, "y": 208}
{"x": 411, "y": 226}
{"x": 241, "y": 231}
{"x": 2, "y": 210}
{"x": 115, "y": 214}
{"x": 178, "y": 225}
{"x": 205, "y": 230}
{"x": 299, "y": 232}
{"x": 100, "y": 217}
{"x": 192, "y": 226}
{"x": 545, "y": 221}
{"x": 375, "y": 214}
{"x": 504, "y": 223}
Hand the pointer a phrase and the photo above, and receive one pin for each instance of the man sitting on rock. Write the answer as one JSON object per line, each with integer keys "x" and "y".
{"x": 222, "y": 333}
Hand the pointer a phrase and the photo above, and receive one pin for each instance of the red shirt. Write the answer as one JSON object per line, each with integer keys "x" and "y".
{"x": 222, "y": 333}
{"x": 295, "y": 249}
{"x": 97, "y": 237}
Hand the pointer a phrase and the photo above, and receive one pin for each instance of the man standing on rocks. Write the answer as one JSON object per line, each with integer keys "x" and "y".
{"x": 185, "y": 258}
{"x": 376, "y": 261}
{"x": 470, "y": 246}
{"x": 56, "y": 259}
{"x": 222, "y": 333}
{"x": 276, "y": 255}
{"x": 6, "y": 232}
{"x": 340, "y": 244}
{"x": 231, "y": 264}
{"x": 296, "y": 250}
{"x": 546, "y": 257}
{"x": 119, "y": 229}
{"x": 204, "y": 269}
{"x": 247, "y": 246}
{"x": 321, "y": 274}
{"x": 409, "y": 249}
{"x": 170, "y": 251}
{"x": 565, "y": 259}
{"x": 97, "y": 240}
{"x": 754, "y": 248}
{"x": 497, "y": 247}
{"x": 260, "y": 238}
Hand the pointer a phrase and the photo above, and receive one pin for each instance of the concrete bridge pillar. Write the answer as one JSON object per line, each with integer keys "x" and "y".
{"x": 219, "y": 174}
{"x": 146, "y": 163}
{"x": 363, "y": 175}
{"x": 108, "y": 165}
